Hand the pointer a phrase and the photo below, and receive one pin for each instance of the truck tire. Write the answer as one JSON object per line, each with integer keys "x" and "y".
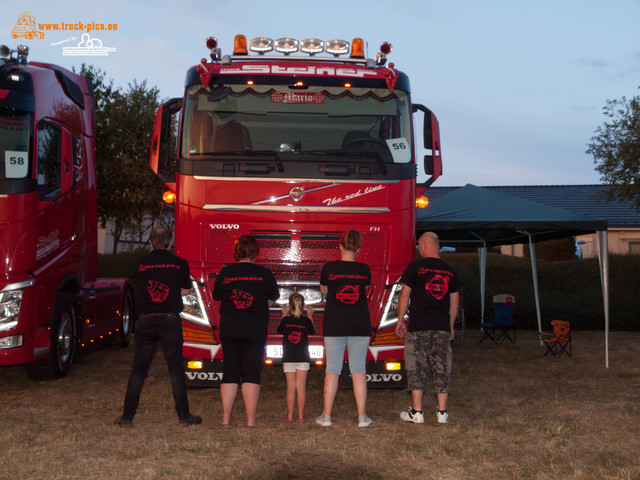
{"x": 126, "y": 318}
{"x": 61, "y": 343}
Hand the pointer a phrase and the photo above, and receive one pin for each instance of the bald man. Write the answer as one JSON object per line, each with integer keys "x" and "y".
{"x": 432, "y": 285}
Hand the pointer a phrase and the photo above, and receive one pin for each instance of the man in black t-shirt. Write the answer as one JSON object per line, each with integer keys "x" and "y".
{"x": 433, "y": 288}
{"x": 161, "y": 279}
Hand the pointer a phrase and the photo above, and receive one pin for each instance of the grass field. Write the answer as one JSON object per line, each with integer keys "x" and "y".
{"x": 514, "y": 414}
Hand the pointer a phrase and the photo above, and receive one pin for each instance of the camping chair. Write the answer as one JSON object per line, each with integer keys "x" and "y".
{"x": 502, "y": 326}
{"x": 559, "y": 341}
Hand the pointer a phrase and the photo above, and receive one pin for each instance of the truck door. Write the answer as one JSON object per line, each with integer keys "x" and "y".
{"x": 57, "y": 240}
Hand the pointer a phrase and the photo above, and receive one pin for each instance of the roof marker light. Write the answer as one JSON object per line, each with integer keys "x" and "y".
{"x": 261, "y": 45}
{"x": 286, "y": 45}
{"x": 336, "y": 47}
{"x": 385, "y": 49}
{"x": 212, "y": 43}
{"x": 311, "y": 46}
{"x": 357, "y": 48}
{"x": 214, "y": 52}
{"x": 240, "y": 45}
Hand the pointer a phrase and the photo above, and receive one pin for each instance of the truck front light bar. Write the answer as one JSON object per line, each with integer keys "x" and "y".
{"x": 288, "y": 45}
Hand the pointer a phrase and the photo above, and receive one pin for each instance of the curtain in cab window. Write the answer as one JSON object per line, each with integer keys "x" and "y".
{"x": 49, "y": 145}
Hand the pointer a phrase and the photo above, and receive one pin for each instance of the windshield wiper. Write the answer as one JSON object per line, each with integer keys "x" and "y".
{"x": 237, "y": 153}
{"x": 383, "y": 169}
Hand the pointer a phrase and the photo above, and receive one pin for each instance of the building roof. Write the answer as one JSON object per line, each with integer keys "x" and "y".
{"x": 581, "y": 199}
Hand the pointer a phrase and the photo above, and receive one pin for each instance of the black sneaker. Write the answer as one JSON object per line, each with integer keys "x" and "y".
{"x": 123, "y": 422}
{"x": 192, "y": 420}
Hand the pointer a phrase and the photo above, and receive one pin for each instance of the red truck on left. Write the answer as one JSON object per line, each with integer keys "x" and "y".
{"x": 53, "y": 308}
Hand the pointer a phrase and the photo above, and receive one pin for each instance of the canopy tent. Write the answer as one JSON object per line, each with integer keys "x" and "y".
{"x": 477, "y": 217}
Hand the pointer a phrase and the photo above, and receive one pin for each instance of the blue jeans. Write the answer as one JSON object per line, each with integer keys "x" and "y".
{"x": 357, "y": 348}
{"x": 166, "y": 329}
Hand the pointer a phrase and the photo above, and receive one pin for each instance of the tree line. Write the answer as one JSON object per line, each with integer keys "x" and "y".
{"x": 129, "y": 193}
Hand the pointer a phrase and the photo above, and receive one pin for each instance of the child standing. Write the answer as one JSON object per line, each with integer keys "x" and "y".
{"x": 295, "y": 328}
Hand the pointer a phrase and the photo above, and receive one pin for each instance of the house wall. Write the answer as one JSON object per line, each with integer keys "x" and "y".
{"x": 621, "y": 242}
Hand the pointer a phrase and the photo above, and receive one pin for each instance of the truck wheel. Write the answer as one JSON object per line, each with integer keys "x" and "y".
{"x": 61, "y": 343}
{"x": 126, "y": 323}
{"x": 63, "y": 336}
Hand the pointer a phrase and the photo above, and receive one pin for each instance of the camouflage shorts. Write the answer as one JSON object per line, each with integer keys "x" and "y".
{"x": 428, "y": 349}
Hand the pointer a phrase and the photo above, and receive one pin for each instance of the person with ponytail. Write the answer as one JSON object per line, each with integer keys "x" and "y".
{"x": 295, "y": 328}
{"x": 347, "y": 325}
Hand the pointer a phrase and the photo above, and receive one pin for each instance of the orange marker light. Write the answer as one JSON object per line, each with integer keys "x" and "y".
{"x": 422, "y": 202}
{"x": 357, "y": 48}
{"x": 169, "y": 197}
{"x": 240, "y": 45}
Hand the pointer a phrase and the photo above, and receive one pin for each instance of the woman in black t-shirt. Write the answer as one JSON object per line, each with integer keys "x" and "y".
{"x": 245, "y": 291}
{"x": 346, "y": 325}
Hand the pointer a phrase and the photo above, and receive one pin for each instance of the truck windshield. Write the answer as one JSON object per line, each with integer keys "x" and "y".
{"x": 15, "y": 134}
{"x": 346, "y": 123}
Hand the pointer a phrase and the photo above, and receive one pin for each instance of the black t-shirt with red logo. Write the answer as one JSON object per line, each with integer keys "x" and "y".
{"x": 295, "y": 338}
{"x": 432, "y": 280}
{"x": 244, "y": 290}
{"x": 346, "y": 312}
{"x": 159, "y": 278}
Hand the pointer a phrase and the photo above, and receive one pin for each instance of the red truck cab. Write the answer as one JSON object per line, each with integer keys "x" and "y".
{"x": 294, "y": 142}
{"x": 53, "y": 308}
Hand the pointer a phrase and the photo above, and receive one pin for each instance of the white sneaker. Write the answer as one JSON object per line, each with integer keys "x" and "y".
{"x": 442, "y": 417}
{"x": 410, "y": 415}
{"x": 364, "y": 421}
{"x": 324, "y": 421}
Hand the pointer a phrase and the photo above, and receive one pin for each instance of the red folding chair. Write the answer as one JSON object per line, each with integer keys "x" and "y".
{"x": 558, "y": 342}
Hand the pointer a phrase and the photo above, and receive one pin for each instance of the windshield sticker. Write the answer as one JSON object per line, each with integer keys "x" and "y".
{"x": 16, "y": 164}
{"x": 291, "y": 97}
{"x": 400, "y": 149}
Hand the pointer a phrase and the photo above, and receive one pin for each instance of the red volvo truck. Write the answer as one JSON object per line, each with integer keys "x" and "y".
{"x": 294, "y": 142}
{"x": 53, "y": 309}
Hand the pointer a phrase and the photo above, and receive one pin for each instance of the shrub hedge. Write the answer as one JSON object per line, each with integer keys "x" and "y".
{"x": 569, "y": 290}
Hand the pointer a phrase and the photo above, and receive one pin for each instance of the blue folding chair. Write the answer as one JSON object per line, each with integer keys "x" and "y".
{"x": 502, "y": 326}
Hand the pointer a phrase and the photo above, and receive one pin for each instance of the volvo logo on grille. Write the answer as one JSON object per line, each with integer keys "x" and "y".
{"x": 296, "y": 193}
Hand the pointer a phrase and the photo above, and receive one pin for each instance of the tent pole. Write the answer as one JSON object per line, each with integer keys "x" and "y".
{"x": 534, "y": 272}
{"x": 603, "y": 260}
{"x": 482, "y": 257}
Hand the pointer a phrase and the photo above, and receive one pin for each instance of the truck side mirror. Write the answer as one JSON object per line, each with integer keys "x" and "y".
{"x": 431, "y": 136}
{"x": 160, "y": 141}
